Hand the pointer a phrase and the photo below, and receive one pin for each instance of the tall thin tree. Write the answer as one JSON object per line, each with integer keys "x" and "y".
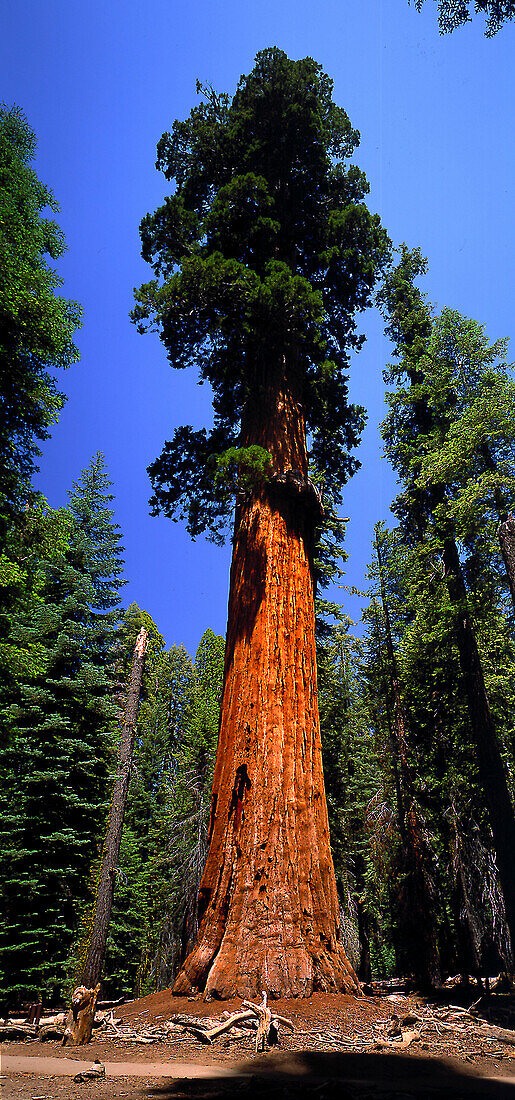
{"x": 91, "y": 969}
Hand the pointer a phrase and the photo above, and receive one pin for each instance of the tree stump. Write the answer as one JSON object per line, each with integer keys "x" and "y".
{"x": 79, "y": 1023}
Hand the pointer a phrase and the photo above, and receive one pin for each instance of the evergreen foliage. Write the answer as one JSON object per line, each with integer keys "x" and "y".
{"x": 164, "y": 840}
{"x": 36, "y": 324}
{"x": 60, "y": 749}
{"x": 263, "y": 254}
{"x": 36, "y": 337}
{"x": 450, "y": 434}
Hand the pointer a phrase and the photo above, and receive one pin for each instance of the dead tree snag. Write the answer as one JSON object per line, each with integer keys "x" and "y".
{"x": 92, "y": 965}
{"x": 79, "y": 1023}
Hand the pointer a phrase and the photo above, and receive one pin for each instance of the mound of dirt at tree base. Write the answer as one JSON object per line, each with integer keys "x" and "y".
{"x": 332, "y": 1051}
{"x": 323, "y": 1008}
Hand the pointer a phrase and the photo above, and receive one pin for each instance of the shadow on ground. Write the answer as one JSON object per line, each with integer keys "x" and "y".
{"x": 340, "y": 1077}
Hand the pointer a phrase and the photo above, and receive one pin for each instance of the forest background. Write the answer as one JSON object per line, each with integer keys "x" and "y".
{"x": 100, "y": 84}
{"x": 436, "y": 152}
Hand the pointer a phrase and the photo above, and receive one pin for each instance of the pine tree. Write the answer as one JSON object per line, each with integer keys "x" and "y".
{"x": 163, "y": 847}
{"x": 60, "y": 750}
{"x": 425, "y": 409}
{"x": 193, "y": 784}
{"x": 36, "y": 324}
{"x": 124, "y": 964}
{"x": 36, "y": 338}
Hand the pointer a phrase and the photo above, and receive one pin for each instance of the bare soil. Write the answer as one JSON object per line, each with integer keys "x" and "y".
{"x": 329, "y": 1056}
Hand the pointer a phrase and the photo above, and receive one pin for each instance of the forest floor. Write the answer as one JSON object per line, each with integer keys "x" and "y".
{"x": 332, "y": 1054}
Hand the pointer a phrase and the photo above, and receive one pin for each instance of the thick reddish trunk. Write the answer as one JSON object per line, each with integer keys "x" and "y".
{"x": 268, "y": 901}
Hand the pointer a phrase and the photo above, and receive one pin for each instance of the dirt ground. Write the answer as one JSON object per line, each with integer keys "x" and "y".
{"x": 330, "y": 1055}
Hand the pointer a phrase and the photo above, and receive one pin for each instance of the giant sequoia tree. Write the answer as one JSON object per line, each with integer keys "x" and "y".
{"x": 262, "y": 257}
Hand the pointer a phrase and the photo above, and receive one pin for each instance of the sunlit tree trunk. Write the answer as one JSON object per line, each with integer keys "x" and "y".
{"x": 91, "y": 970}
{"x": 268, "y": 902}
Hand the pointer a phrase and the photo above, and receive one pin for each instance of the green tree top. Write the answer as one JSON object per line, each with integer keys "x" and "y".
{"x": 450, "y": 432}
{"x": 36, "y": 324}
{"x": 97, "y": 538}
{"x": 262, "y": 255}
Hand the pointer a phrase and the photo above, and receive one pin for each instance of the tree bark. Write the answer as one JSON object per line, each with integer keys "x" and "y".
{"x": 91, "y": 969}
{"x": 79, "y": 1023}
{"x": 506, "y": 535}
{"x": 268, "y": 902}
{"x": 492, "y": 773}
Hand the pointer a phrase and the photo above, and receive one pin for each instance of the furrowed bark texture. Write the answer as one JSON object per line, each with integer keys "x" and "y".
{"x": 91, "y": 970}
{"x": 268, "y": 902}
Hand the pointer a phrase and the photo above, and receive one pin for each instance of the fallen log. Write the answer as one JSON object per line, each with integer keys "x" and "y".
{"x": 50, "y": 1032}
{"x": 267, "y": 1025}
{"x": 488, "y": 1031}
{"x": 11, "y": 1031}
{"x": 102, "y": 1006}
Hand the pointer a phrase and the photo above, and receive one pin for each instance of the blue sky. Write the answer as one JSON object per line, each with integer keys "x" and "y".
{"x": 100, "y": 81}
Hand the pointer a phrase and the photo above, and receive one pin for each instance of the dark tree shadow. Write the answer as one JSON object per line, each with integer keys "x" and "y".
{"x": 318, "y": 1076}
{"x": 250, "y": 558}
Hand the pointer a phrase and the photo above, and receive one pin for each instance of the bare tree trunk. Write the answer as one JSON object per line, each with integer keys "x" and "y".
{"x": 91, "y": 970}
{"x": 492, "y": 773}
{"x": 419, "y": 927}
{"x": 268, "y": 904}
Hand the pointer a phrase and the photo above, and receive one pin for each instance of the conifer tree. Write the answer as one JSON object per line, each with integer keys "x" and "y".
{"x": 163, "y": 847}
{"x": 466, "y": 903}
{"x": 61, "y": 747}
{"x": 125, "y": 968}
{"x": 414, "y": 864}
{"x": 262, "y": 257}
{"x": 37, "y": 327}
{"x": 36, "y": 324}
{"x": 424, "y": 410}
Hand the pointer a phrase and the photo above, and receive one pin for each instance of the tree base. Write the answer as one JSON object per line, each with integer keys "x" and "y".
{"x": 295, "y": 974}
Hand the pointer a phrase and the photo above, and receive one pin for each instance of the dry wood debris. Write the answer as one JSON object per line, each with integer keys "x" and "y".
{"x": 397, "y": 1022}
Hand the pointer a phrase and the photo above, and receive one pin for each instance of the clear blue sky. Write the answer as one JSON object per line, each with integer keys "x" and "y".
{"x": 100, "y": 81}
